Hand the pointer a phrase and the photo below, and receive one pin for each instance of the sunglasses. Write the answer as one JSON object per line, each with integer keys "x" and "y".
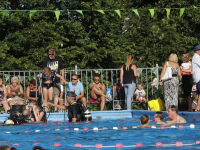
{"x": 155, "y": 116}
{"x": 74, "y": 79}
{"x": 51, "y": 54}
{"x": 96, "y": 79}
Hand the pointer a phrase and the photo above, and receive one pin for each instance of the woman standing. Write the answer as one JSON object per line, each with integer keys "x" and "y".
{"x": 187, "y": 81}
{"x": 128, "y": 75}
{"x": 171, "y": 86}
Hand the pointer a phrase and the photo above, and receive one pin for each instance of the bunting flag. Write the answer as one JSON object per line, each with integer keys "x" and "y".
{"x": 31, "y": 13}
{"x": 136, "y": 11}
{"x": 151, "y": 12}
{"x": 57, "y": 13}
{"x": 5, "y": 13}
{"x": 80, "y": 11}
{"x": 118, "y": 12}
{"x": 101, "y": 11}
{"x": 182, "y": 11}
{"x": 168, "y": 12}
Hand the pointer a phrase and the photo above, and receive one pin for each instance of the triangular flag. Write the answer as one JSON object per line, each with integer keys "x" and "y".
{"x": 57, "y": 13}
{"x": 5, "y": 13}
{"x": 182, "y": 11}
{"x": 136, "y": 11}
{"x": 80, "y": 11}
{"x": 168, "y": 12}
{"x": 118, "y": 12}
{"x": 31, "y": 13}
{"x": 101, "y": 11}
{"x": 151, "y": 12}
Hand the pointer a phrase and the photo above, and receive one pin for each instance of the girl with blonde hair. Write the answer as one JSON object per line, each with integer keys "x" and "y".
{"x": 128, "y": 75}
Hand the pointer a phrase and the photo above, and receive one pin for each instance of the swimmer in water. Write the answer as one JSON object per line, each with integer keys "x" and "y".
{"x": 173, "y": 116}
{"x": 144, "y": 120}
{"x": 159, "y": 116}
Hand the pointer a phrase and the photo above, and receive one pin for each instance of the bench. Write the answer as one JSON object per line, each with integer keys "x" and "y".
{"x": 120, "y": 104}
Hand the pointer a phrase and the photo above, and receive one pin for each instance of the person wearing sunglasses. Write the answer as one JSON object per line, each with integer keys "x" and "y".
{"x": 56, "y": 65}
{"x": 77, "y": 87}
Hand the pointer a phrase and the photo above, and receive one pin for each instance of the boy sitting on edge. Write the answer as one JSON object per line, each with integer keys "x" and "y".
{"x": 140, "y": 93}
{"x": 144, "y": 120}
{"x": 159, "y": 116}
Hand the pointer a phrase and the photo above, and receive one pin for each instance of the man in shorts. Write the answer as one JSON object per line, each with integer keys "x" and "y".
{"x": 55, "y": 63}
{"x": 77, "y": 87}
{"x": 94, "y": 97}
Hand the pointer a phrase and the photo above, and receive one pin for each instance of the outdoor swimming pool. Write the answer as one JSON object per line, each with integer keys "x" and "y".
{"x": 103, "y": 130}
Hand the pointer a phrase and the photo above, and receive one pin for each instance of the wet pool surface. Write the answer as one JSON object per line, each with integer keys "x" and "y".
{"x": 105, "y": 132}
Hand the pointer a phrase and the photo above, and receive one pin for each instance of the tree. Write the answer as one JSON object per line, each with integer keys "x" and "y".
{"x": 96, "y": 40}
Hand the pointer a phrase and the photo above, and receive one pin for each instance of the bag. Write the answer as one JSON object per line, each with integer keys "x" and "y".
{"x": 108, "y": 93}
{"x": 168, "y": 73}
{"x": 156, "y": 105}
{"x": 118, "y": 92}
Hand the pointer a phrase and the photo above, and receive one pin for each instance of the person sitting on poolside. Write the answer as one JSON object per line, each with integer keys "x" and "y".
{"x": 31, "y": 92}
{"x": 34, "y": 112}
{"x": 3, "y": 95}
{"x": 159, "y": 116}
{"x": 15, "y": 92}
{"x": 77, "y": 87}
{"x": 75, "y": 110}
{"x": 144, "y": 120}
{"x": 48, "y": 79}
{"x": 97, "y": 95}
{"x": 98, "y": 92}
{"x": 140, "y": 93}
{"x": 173, "y": 116}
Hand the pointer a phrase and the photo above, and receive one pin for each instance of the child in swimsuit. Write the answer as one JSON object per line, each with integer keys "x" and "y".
{"x": 48, "y": 82}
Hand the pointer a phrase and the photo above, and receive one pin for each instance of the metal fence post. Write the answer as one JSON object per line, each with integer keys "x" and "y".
{"x": 75, "y": 69}
{"x": 157, "y": 76}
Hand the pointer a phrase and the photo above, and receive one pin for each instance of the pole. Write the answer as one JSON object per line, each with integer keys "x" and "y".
{"x": 76, "y": 69}
{"x": 157, "y": 76}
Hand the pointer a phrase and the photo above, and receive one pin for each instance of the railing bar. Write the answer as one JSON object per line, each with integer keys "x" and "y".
{"x": 87, "y": 85}
{"x": 106, "y": 79}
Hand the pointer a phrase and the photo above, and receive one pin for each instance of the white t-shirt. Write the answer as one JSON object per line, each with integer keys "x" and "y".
{"x": 139, "y": 93}
{"x": 186, "y": 65}
{"x": 196, "y": 67}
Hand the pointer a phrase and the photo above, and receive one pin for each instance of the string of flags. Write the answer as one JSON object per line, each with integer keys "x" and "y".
{"x": 117, "y": 11}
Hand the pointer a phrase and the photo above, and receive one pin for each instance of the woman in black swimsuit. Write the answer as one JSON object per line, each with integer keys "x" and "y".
{"x": 31, "y": 92}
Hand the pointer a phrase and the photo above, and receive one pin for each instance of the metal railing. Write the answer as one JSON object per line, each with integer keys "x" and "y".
{"x": 108, "y": 77}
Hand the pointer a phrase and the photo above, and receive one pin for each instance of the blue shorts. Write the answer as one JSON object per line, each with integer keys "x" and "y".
{"x": 198, "y": 88}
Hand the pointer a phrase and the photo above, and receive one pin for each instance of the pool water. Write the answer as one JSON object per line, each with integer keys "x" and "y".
{"x": 68, "y": 134}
